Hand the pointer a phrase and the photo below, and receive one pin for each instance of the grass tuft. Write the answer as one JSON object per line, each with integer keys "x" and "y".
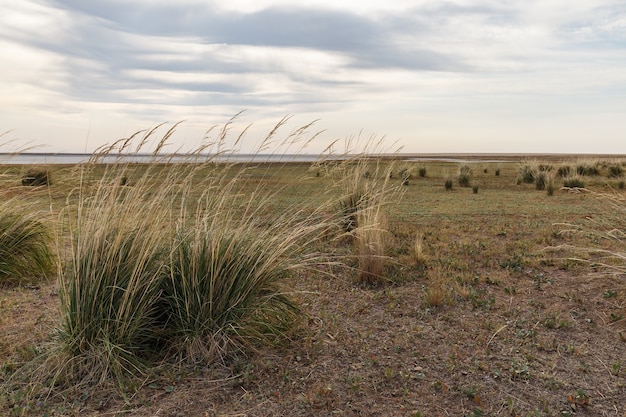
{"x": 417, "y": 252}
{"x": 25, "y": 245}
{"x": 464, "y": 175}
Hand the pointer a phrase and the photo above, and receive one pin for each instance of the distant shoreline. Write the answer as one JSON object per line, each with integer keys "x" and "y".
{"x": 61, "y": 158}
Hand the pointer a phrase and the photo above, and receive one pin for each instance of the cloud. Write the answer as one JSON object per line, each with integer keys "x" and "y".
{"x": 157, "y": 60}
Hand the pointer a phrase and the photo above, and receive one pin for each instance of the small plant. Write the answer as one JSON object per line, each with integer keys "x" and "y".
{"x": 418, "y": 249}
{"x": 621, "y": 185}
{"x": 616, "y": 368}
{"x": 497, "y": 172}
{"x": 580, "y": 399}
{"x": 448, "y": 184}
{"x": 422, "y": 172}
{"x": 475, "y": 189}
{"x": 464, "y": 175}
{"x": 438, "y": 290}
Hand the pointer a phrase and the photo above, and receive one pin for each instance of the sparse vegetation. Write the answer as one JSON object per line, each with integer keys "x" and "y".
{"x": 464, "y": 286}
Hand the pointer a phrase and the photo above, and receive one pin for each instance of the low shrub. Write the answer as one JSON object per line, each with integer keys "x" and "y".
{"x": 36, "y": 178}
{"x": 448, "y": 184}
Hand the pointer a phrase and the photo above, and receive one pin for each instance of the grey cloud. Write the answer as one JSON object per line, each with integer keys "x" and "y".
{"x": 104, "y": 41}
{"x": 357, "y": 37}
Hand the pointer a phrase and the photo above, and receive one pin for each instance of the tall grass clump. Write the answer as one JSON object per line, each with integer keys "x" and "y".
{"x": 550, "y": 185}
{"x": 25, "y": 245}
{"x": 370, "y": 246}
{"x": 368, "y": 210}
{"x": 224, "y": 292}
{"x": 541, "y": 179}
{"x": 418, "y": 250}
{"x": 526, "y": 172}
{"x": 110, "y": 280}
{"x": 464, "y": 175}
{"x": 587, "y": 168}
{"x": 188, "y": 263}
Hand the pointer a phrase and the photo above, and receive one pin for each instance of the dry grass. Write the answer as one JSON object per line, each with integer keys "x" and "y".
{"x": 370, "y": 246}
{"x": 418, "y": 253}
{"x": 491, "y": 324}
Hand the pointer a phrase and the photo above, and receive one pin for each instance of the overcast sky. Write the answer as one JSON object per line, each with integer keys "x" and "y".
{"x": 514, "y": 76}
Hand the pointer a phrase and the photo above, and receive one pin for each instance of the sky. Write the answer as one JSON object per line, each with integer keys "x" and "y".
{"x": 492, "y": 76}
